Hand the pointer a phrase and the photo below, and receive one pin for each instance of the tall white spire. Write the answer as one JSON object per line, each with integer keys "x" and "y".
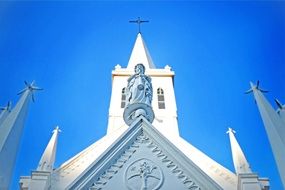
{"x": 10, "y": 134}
{"x": 140, "y": 54}
{"x": 274, "y": 126}
{"x": 4, "y": 112}
{"x": 280, "y": 110}
{"x": 48, "y": 158}
{"x": 240, "y": 162}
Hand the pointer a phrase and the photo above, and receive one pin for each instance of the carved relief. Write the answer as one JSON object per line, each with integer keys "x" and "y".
{"x": 107, "y": 175}
{"x": 143, "y": 174}
{"x": 142, "y": 139}
{"x": 175, "y": 169}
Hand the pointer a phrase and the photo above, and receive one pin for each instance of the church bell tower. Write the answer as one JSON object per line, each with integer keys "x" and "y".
{"x": 163, "y": 101}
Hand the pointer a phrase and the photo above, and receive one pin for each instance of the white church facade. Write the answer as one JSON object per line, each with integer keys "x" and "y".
{"x": 143, "y": 155}
{"x": 146, "y": 154}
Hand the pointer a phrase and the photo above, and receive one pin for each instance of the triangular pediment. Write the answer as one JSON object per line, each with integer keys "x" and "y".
{"x": 143, "y": 159}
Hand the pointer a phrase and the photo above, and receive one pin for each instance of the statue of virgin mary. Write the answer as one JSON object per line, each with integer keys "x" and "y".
{"x": 138, "y": 96}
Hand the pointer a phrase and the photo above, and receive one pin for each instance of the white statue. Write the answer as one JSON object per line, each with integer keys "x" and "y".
{"x": 139, "y": 89}
{"x": 138, "y": 96}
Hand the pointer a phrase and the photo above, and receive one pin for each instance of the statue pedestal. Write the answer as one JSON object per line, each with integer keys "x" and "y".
{"x": 133, "y": 111}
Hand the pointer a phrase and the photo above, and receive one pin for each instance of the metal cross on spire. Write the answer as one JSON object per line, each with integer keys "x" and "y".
{"x": 138, "y": 21}
{"x": 31, "y": 87}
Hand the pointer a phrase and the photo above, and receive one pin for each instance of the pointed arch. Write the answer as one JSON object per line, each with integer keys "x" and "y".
{"x": 123, "y": 98}
{"x": 160, "y": 98}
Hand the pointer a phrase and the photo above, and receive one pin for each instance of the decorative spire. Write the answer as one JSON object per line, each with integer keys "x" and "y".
{"x": 275, "y": 129}
{"x": 7, "y": 107}
{"x": 240, "y": 162}
{"x": 280, "y": 110}
{"x": 11, "y": 130}
{"x": 140, "y": 54}
{"x": 4, "y": 112}
{"x": 48, "y": 158}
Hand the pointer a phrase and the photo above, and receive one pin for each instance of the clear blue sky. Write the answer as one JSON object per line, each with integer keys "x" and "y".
{"x": 215, "y": 48}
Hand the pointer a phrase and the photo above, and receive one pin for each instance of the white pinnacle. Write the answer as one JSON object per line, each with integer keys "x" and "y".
{"x": 11, "y": 130}
{"x": 48, "y": 158}
{"x": 280, "y": 110}
{"x": 240, "y": 162}
{"x": 4, "y": 112}
{"x": 140, "y": 54}
{"x": 275, "y": 129}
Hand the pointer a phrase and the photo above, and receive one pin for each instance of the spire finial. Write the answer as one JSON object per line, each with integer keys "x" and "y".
{"x": 255, "y": 87}
{"x": 31, "y": 88}
{"x": 138, "y": 21}
{"x": 56, "y": 129}
{"x": 230, "y": 130}
{"x": 7, "y": 107}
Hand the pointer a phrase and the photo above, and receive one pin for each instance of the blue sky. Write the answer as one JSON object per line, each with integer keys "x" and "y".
{"x": 215, "y": 49}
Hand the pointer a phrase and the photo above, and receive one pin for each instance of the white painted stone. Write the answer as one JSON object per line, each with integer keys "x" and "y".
{"x": 250, "y": 181}
{"x": 108, "y": 160}
{"x": 10, "y": 134}
{"x": 40, "y": 180}
{"x": 48, "y": 158}
{"x": 141, "y": 141}
{"x": 275, "y": 129}
{"x": 3, "y": 114}
{"x": 166, "y": 119}
{"x": 240, "y": 162}
{"x": 140, "y": 54}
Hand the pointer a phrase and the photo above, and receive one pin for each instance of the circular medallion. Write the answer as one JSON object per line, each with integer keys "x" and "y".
{"x": 143, "y": 174}
{"x": 140, "y": 86}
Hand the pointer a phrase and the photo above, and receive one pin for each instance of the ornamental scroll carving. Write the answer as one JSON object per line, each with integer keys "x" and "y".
{"x": 144, "y": 174}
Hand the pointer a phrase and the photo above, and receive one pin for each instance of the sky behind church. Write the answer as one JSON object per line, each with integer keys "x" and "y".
{"x": 215, "y": 49}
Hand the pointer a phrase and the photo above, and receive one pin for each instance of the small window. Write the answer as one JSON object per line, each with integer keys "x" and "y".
{"x": 123, "y": 98}
{"x": 160, "y": 98}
